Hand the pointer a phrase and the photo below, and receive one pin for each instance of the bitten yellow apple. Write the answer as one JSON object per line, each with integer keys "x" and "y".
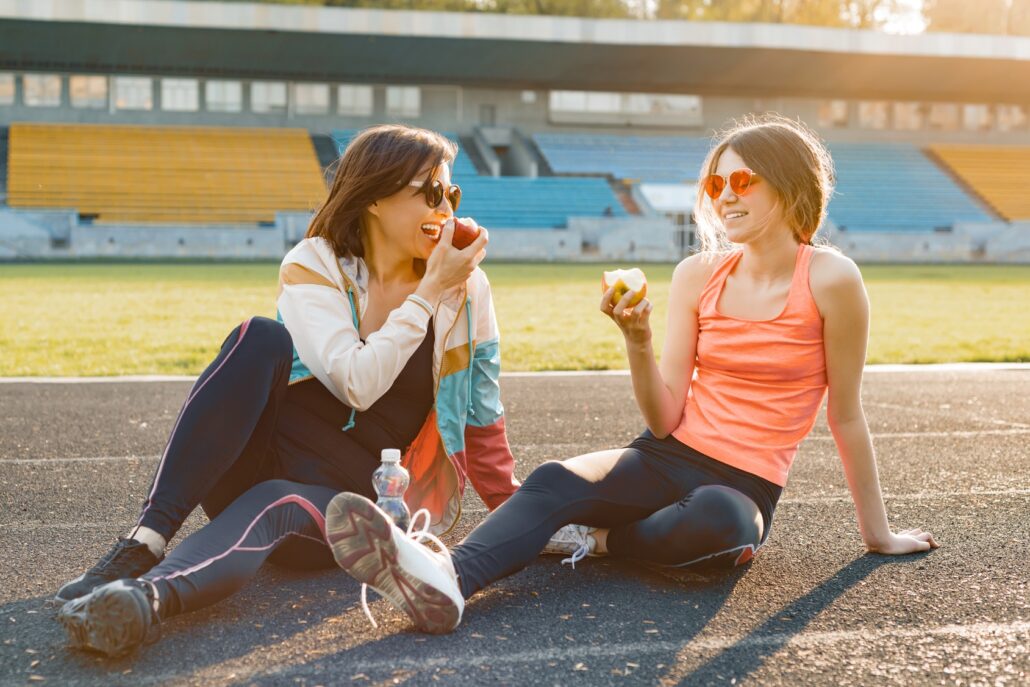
{"x": 625, "y": 280}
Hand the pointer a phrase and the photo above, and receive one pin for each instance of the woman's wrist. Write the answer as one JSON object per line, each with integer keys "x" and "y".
{"x": 638, "y": 347}
{"x": 430, "y": 292}
{"x": 422, "y": 303}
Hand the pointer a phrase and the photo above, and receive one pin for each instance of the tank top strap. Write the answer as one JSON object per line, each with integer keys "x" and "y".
{"x": 800, "y": 291}
{"x": 713, "y": 287}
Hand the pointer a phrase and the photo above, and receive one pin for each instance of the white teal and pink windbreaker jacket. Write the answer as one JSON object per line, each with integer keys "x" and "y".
{"x": 321, "y": 298}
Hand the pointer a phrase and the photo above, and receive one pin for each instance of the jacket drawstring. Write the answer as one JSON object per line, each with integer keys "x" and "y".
{"x": 469, "y": 409}
{"x": 357, "y": 328}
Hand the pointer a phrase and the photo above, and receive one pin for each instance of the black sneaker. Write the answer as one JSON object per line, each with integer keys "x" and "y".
{"x": 128, "y": 558}
{"x": 114, "y": 619}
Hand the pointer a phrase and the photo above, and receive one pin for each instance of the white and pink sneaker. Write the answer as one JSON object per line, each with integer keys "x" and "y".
{"x": 416, "y": 580}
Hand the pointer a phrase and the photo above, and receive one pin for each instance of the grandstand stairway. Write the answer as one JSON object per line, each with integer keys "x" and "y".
{"x": 155, "y": 174}
{"x": 468, "y": 148}
{"x": 325, "y": 149}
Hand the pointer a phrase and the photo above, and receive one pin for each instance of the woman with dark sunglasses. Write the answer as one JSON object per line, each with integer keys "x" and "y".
{"x": 386, "y": 338}
{"x": 762, "y": 326}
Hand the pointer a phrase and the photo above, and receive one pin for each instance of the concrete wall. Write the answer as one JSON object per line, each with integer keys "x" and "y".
{"x": 968, "y": 242}
{"x": 535, "y": 245}
{"x": 47, "y": 235}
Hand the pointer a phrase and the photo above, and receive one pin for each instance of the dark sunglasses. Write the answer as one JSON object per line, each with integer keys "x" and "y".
{"x": 435, "y": 193}
{"x": 739, "y": 181}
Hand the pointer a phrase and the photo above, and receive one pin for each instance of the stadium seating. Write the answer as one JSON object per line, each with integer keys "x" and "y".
{"x": 999, "y": 174}
{"x": 164, "y": 174}
{"x": 885, "y": 186}
{"x": 543, "y": 202}
{"x": 668, "y": 159}
{"x": 522, "y": 202}
{"x": 896, "y": 187}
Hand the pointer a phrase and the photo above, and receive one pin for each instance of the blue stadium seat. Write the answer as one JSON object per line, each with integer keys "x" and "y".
{"x": 880, "y": 186}
{"x": 540, "y": 203}
{"x": 669, "y": 159}
{"x": 895, "y": 187}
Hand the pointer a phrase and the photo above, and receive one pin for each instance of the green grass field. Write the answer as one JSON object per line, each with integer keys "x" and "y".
{"x": 118, "y": 319}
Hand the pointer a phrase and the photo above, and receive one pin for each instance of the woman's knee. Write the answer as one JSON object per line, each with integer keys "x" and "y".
{"x": 732, "y": 518}
{"x": 550, "y": 477}
{"x": 270, "y": 337}
{"x": 711, "y": 527}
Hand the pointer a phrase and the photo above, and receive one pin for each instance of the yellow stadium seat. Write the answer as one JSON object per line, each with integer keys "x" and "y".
{"x": 999, "y": 174}
{"x": 133, "y": 174}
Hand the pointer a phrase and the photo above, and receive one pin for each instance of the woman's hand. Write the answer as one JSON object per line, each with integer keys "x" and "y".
{"x": 634, "y": 322}
{"x": 907, "y": 541}
{"x": 447, "y": 266}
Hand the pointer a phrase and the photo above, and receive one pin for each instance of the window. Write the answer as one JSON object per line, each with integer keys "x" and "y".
{"x": 675, "y": 104}
{"x": 833, "y": 113}
{"x": 603, "y": 102}
{"x": 133, "y": 93}
{"x": 403, "y": 101}
{"x": 268, "y": 97}
{"x": 1011, "y": 118}
{"x": 976, "y": 117}
{"x": 354, "y": 100}
{"x": 598, "y": 102}
{"x": 6, "y": 89}
{"x": 180, "y": 95}
{"x": 944, "y": 116}
{"x": 908, "y": 116}
{"x": 88, "y": 92}
{"x": 528, "y": 97}
{"x": 223, "y": 96}
{"x": 873, "y": 114}
{"x": 311, "y": 98}
{"x": 638, "y": 103}
{"x": 649, "y": 109}
{"x": 568, "y": 101}
{"x": 42, "y": 90}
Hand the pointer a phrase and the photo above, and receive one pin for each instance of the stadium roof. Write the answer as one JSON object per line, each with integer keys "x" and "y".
{"x": 244, "y": 40}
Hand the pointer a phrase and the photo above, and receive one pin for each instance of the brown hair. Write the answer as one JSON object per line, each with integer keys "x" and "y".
{"x": 789, "y": 157}
{"x": 379, "y": 162}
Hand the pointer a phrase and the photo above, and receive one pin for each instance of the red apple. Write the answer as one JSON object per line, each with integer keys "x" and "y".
{"x": 464, "y": 234}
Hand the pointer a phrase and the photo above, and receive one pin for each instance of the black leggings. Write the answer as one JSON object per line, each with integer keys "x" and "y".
{"x": 663, "y": 501}
{"x": 278, "y": 520}
{"x": 243, "y": 423}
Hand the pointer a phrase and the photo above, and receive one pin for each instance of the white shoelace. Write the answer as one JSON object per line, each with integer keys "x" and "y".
{"x": 580, "y": 535}
{"x": 422, "y": 534}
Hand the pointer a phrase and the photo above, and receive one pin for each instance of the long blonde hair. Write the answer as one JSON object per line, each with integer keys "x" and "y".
{"x": 789, "y": 157}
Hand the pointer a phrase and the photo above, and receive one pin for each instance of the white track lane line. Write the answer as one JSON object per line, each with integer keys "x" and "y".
{"x": 960, "y": 434}
{"x": 681, "y": 649}
{"x": 931, "y": 367}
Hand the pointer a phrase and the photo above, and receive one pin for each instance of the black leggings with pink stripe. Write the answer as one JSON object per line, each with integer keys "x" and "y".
{"x": 241, "y": 434}
{"x": 275, "y": 520}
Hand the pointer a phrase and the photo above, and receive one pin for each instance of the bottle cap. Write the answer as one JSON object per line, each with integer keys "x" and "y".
{"x": 391, "y": 455}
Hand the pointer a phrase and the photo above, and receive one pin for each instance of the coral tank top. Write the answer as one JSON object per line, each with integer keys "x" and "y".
{"x": 757, "y": 385}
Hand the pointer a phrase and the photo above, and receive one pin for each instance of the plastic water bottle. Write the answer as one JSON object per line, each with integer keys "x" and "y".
{"x": 390, "y": 481}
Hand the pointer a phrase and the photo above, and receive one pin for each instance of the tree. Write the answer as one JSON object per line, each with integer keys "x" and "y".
{"x": 961, "y": 16}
